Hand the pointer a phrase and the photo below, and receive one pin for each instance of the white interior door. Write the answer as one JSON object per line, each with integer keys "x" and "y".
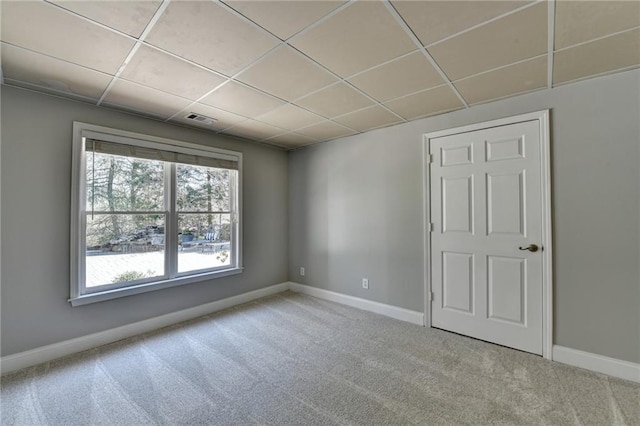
{"x": 486, "y": 276}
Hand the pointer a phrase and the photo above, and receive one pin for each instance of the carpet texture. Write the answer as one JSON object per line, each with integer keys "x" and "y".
{"x": 291, "y": 359}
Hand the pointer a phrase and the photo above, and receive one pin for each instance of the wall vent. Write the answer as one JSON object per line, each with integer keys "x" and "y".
{"x": 200, "y": 118}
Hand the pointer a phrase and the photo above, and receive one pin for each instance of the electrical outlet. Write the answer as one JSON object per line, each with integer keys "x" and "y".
{"x": 302, "y": 271}
{"x": 365, "y": 283}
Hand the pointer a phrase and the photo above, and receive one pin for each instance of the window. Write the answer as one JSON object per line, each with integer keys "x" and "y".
{"x": 150, "y": 213}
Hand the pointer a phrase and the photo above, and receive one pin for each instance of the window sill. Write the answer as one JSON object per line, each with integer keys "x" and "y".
{"x": 144, "y": 288}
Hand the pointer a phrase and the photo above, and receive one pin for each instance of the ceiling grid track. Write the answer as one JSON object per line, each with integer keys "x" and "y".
{"x": 483, "y": 23}
{"x": 123, "y": 34}
{"x": 281, "y": 43}
{"x": 321, "y": 20}
{"x": 601, "y": 74}
{"x": 183, "y": 59}
{"x": 626, "y": 30}
{"x": 52, "y": 57}
{"x": 134, "y": 49}
{"x": 51, "y": 91}
{"x": 521, "y": 61}
{"x": 344, "y": 81}
{"x": 381, "y": 64}
{"x": 89, "y": 20}
{"x": 340, "y": 79}
{"x": 243, "y": 69}
{"x": 551, "y": 26}
{"x": 286, "y": 43}
{"x": 233, "y": 78}
{"x": 424, "y": 51}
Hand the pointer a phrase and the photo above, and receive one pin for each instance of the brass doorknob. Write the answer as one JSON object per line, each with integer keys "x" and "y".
{"x": 532, "y": 248}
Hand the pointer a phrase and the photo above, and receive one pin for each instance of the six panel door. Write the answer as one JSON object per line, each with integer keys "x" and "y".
{"x": 486, "y": 212}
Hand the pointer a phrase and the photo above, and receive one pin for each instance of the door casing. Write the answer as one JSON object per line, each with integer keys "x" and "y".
{"x": 545, "y": 204}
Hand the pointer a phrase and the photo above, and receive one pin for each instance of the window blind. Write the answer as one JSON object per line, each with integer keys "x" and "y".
{"x": 147, "y": 153}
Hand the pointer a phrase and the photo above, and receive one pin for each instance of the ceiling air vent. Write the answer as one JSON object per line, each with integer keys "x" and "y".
{"x": 200, "y": 118}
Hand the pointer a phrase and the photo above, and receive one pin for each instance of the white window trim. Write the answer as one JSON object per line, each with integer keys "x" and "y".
{"x": 77, "y": 243}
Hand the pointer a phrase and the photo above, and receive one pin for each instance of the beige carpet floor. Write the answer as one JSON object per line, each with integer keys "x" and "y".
{"x": 292, "y": 359}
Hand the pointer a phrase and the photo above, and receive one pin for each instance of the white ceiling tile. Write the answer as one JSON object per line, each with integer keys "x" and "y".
{"x": 224, "y": 119}
{"x": 243, "y": 100}
{"x": 357, "y": 38}
{"x": 256, "y": 130}
{"x": 49, "y": 91}
{"x": 368, "y": 118}
{"x": 144, "y": 99}
{"x": 325, "y": 130}
{"x": 511, "y": 80}
{"x": 284, "y": 18}
{"x": 291, "y": 140}
{"x": 430, "y": 102}
{"x": 287, "y": 74}
{"x": 400, "y": 77}
{"x": 334, "y": 100}
{"x": 47, "y": 29}
{"x": 290, "y": 117}
{"x": 597, "y": 57}
{"x": 209, "y": 34}
{"x": 169, "y": 74}
{"x": 51, "y": 73}
{"x": 519, "y": 36}
{"x": 580, "y": 21}
{"x": 432, "y": 20}
{"x": 129, "y": 16}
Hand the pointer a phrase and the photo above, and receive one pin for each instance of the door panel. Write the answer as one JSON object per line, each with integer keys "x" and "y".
{"x": 457, "y": 281}
{"x": 505, "y": 203}
{"x": 507, "y": 149}
{"x": 485, "y": 204}
{"x": 507, "y": 292}
{"x": 457, "y": 155}
{"x": 457, "y": 204}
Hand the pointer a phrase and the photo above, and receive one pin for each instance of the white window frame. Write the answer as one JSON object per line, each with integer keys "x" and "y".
{"x": 78, "y": 293}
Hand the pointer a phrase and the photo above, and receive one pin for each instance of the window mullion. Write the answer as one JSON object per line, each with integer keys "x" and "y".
{"x": 80, "y": 208}
{"x": 171, "y": 233}
{"x": 234, "y": 218}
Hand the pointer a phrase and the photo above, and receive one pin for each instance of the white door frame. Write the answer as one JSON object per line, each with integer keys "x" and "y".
{"x": 545, "y": 175}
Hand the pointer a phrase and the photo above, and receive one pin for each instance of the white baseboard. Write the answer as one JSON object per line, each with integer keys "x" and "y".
{"x": 356, "y": 302}
{"x": 57, "y": 350}
{"x": 599, "y": 363}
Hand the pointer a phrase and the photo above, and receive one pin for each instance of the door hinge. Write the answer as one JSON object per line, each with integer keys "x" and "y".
{"x": 430, "y": 296}
{"x": 430, "y": 158}
{"x": 430, "y": 226}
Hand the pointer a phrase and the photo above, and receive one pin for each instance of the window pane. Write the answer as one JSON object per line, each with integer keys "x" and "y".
{"x": 116, "y": 183}
{"x": 204, "y": 241}
{"x": 124, "y": 247}
{"x": 202, "y": 189}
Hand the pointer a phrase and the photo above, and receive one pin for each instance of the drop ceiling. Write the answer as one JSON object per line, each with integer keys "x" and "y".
{"x": 294, "y": 73}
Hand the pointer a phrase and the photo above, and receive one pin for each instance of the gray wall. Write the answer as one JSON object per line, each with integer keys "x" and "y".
{"x": 36, "y": 182}
{"x": 356, "y": 209}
